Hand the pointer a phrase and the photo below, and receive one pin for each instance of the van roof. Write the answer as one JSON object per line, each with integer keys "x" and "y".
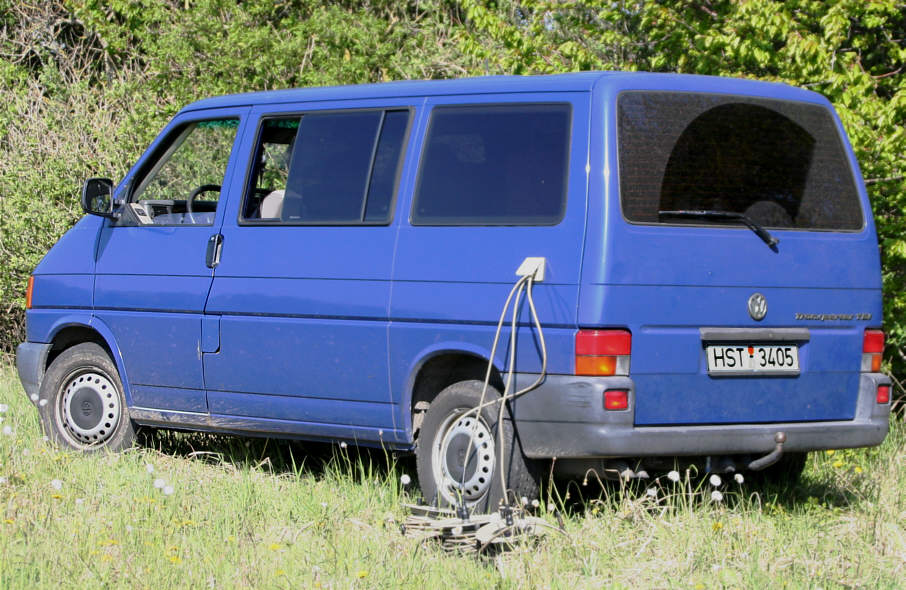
{"x": 570, "y": 82}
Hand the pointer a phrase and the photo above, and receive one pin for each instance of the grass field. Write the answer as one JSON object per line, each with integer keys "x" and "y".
{"x": 256, "y": 513}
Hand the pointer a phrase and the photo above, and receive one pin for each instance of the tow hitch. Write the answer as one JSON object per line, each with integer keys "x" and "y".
{"x": 773, "y": 456}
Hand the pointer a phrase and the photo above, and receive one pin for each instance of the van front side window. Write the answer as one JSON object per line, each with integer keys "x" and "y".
{"x": 183, "y": 186}
{"x": 337, "y": 168}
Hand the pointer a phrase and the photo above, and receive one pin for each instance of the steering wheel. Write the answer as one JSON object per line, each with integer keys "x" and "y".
{"x": 202, "y": 189}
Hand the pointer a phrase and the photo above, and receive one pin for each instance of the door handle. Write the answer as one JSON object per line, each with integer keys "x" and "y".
{"x": 215, "y": 246}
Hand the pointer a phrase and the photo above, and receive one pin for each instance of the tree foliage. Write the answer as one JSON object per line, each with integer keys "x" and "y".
{"x": 86, "y": 84}
{"x": 851, "y": 51}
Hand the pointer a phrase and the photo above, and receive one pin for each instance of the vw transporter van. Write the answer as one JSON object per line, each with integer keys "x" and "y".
{"x": 331, "y": 264}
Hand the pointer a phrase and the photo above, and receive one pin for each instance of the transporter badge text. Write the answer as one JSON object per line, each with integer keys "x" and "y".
{"x": 833, "y": 317}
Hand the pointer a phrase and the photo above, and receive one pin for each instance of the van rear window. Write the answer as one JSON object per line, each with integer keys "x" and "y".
{"x": 780, "y": 163}
{"x": 494, "y": 165}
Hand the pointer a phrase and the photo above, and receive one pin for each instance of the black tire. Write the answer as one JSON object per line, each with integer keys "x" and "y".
{"x": 786, "y": 472}
{"x": 443, "y": 442}
{"x": 82, "y": 405}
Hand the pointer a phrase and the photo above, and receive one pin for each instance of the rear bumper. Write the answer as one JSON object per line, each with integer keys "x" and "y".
{"x": 31, "y": 358}
{"x": 565, "y": 418}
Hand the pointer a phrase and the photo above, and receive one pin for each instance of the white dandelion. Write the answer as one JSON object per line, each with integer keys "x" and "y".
{"x": 652, "y": 491}
{"x": 405, "y": 479}
{"x": 168, "y": 490}
{"x": 56, "y": 484}
{"x": 159, "y": 483}
{"x": 8, "y": 430}
{"x": 42, "y": 402}
{"x": 149, "y": 468}
{"x": 343, "y": 445}
{"x": 4, "y": 408}
{"x": 673, "y": 476}
{"x": 3, "y": 480}
{"x": 739, "y": 478}
{"x": 715, "y": 480}
{"x": 79, "y": 501}
{"x": 535, "y": 503}
{"x": 716, "y": 496}
{"x": 33, "y": 397}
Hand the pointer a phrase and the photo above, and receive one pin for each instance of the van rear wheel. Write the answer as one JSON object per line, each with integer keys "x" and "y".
{"x": 453, "y": 431}
{"x": 82, "y": 403}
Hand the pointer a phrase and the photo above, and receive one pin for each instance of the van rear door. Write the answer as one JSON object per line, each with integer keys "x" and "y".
{"x": 740, "y": 255}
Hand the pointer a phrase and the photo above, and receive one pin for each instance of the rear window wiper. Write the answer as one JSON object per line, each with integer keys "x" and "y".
{"x": 760, "y": 231}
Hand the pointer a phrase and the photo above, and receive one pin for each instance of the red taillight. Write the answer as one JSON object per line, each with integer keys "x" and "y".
{"x": 873, "y": 341}
{"x": 872, "y": 351}
{"x": 883, "y": 394}
{"x": 601, "y": 342}
{"x": 28, "y": 291}
{"x": 616, "y": 399}
{"x": 603, "y": 352}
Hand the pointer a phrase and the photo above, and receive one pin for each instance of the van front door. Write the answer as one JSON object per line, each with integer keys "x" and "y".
{"x": 154, "y": 266}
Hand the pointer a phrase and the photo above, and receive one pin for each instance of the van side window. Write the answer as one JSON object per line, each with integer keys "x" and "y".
{"x": 782, "y": 164}
{"x": 182, "y": 186}
{"x": 494, "y": 165}
{"x": 327, "y": 168}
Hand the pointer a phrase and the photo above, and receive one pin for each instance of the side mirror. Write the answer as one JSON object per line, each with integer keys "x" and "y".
{"x": 97, "y": 197}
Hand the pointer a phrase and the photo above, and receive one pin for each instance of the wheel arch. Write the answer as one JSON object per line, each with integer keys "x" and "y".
{"x": 71, "y": 331}
{"x": 437, "y": 369}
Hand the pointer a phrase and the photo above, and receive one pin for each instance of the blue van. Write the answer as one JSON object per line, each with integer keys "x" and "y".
{"x": 692, "y": 264}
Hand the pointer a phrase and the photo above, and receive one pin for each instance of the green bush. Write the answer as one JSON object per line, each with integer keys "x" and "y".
{"x": 85, "y": 87}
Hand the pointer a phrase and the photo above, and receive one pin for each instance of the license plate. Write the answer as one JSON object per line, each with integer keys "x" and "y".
{"x": 753, "y": 359}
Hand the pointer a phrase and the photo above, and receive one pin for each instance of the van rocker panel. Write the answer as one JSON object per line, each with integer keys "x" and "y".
{"x": 565, "y": 418}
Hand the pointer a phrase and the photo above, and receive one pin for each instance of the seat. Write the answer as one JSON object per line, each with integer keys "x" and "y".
{"x": 272, "y": 205}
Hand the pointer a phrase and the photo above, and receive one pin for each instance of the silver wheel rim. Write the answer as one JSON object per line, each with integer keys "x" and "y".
{"x": 457, "y": 429}
{"x": 90, "y": 408}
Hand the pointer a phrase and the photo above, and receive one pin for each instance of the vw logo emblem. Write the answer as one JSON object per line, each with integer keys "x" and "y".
{"x": 758, "y": 306}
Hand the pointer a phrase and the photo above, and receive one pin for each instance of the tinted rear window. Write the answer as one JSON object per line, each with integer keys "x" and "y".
{"x": 494, "y": 165}
{"x": 780, "y": 163}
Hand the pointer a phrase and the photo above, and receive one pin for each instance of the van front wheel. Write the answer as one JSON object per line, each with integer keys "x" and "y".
{"x": 81, "y": 401}
{"x": 458, "y": 452}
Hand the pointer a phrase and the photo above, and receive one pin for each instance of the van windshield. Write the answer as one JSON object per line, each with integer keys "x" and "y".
{"x": 779, "y": 163}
